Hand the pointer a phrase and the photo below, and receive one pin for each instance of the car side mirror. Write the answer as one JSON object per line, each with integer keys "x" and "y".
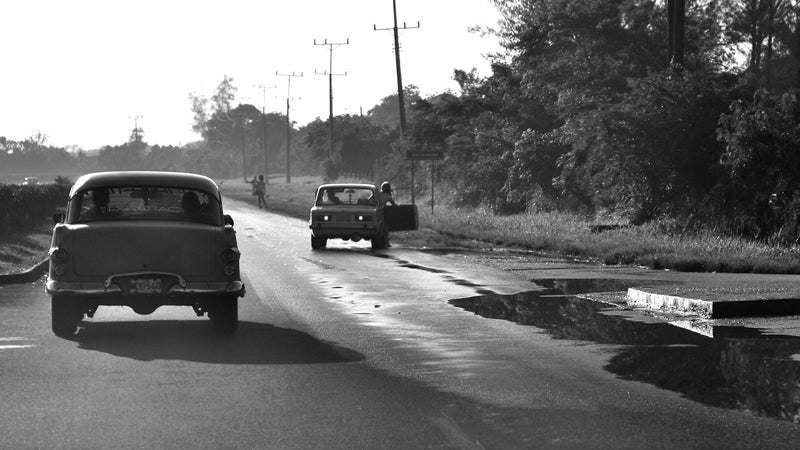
{"x": 228, "y": 219}
{"x": 58, "y": 217}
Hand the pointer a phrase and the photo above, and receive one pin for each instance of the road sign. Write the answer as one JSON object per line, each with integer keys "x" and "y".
{"x": 424, "y": 154}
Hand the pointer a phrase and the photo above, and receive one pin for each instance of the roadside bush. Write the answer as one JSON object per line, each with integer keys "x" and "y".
{"x": 762, "y": 197}
{"x": 24, "y": 206}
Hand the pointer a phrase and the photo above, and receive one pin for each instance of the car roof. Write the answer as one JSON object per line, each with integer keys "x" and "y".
{"x": 145, "y": 178}
{"x": 347, "y": 185}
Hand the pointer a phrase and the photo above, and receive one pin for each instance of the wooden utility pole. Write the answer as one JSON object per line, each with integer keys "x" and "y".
{"x": 289, "y": 77}
{"x": 331, "y": 46}
{"x": 676, "y": 15}
{"x": 400, "y": 96}
{"x": 243, "y": 142}
{"x": 264, "y": 128}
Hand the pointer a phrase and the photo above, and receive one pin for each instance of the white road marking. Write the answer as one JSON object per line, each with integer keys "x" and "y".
{"x": 15, "y": 346}
{"x": 6, "y": 347}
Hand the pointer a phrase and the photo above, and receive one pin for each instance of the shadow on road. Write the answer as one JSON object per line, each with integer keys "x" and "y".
{"x": 253, "y": 343}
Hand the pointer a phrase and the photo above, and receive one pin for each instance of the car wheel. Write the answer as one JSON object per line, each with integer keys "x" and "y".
{"x": 318, "y": 242}
{"x": 65, "y": 316}
{"x": 377, "y": 242}
{"x": 224, "y": 315}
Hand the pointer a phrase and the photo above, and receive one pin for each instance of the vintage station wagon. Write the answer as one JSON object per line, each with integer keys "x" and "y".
{"x": 143, "y": 240}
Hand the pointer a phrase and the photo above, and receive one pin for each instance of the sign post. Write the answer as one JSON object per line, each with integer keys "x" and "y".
{"x": 429, "y": 155}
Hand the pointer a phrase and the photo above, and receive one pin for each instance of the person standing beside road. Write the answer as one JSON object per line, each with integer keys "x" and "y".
{"x": 384, "y": 197}
{"x": 260, "y": 190}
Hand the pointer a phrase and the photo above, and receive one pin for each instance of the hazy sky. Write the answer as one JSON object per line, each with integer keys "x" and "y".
{"x": 80, "y": 71}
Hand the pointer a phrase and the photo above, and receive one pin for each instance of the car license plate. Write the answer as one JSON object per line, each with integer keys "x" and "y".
{"x": 145, "y": 286}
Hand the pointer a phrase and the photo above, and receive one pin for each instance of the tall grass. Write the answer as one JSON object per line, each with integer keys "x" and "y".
{"x": 571, "y": 236}
{"x": 648, "y": 245}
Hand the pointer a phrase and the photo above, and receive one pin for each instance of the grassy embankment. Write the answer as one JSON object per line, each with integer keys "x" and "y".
{"x": 554, "y": 234}
{"x": 24, "y": 249}
{"x": 557, "y": 234}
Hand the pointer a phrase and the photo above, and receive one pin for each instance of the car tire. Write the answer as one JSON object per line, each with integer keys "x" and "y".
{"x": 224, "y": 315}
{"x": 318, "y": 242}
{"x": 65, "y": 316}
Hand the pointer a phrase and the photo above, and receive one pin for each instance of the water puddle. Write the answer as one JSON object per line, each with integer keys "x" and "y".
{"x": 730, "y": 367}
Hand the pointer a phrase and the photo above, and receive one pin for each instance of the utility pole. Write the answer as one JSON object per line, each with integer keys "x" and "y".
{"x": 400, "y": 96}
{"x": 331, "y": 46}
{"x": 289, "y": 77}
{"x": 264, "y": 127}
{"x": 136, "y": 133}
{"x": 241, "y": 129}
{"x": 676, "y": 11}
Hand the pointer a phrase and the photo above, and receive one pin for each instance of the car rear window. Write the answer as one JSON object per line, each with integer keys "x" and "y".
{"x": 346, "y": 196}
{"x": 144, "y": 203}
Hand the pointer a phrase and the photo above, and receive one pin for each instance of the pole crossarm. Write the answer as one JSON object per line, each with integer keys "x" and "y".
{"x": 331, "y": 47}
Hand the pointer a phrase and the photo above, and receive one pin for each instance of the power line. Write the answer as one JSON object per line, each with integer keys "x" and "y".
{"x": 331, "y": 46}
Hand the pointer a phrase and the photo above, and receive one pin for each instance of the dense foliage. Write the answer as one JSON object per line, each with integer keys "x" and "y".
{"x": 27, "y": 206}
{"x": 585, "y": 111}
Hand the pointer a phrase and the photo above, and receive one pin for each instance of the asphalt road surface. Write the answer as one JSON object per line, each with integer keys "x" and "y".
{"x": 348, "y": 348}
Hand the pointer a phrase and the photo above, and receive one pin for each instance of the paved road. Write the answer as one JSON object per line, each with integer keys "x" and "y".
{"x": 345, "y": 348}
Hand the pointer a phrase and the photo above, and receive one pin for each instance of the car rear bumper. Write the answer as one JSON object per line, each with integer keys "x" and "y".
{"x": 189, "y": 290}
{"x": 342, "y": 231}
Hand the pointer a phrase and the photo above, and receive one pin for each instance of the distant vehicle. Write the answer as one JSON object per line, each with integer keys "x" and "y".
{"x": 351, "y": 211}
{"x": 144, "y": 240}
{"x": 30, "y": 181}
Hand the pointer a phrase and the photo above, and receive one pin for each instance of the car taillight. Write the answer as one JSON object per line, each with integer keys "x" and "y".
{"x": 60, "y": 254}
{"x": 59, "y": 257}
{"x": 229, "y": 255}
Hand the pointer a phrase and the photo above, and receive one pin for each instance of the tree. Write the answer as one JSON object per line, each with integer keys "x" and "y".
{"x": 358, "y": 144}
{"x": 762, "y": 139}
{"x": 387, "y": 113}
{"x": 200, "y": 111}
{"x": 219, "y": 104}
{"x": 758, "y": 23}
{"x": 224, "y": 95}
{"x": 128, "y": 156}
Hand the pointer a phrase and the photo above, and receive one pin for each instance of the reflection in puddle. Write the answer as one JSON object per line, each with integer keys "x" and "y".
{"x": 739, "y": 368}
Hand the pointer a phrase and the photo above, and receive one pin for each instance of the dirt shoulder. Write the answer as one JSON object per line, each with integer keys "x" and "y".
{"x": 22, "y": 250}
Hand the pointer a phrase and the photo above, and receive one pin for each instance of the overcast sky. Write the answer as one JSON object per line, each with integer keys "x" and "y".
{"x": 80, "y": 71}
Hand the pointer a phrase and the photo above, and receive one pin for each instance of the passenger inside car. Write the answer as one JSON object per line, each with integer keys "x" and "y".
{"x": 100, "y": 198}
{"x": 329, "y": 197}
{"x": 190, "y": 203}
